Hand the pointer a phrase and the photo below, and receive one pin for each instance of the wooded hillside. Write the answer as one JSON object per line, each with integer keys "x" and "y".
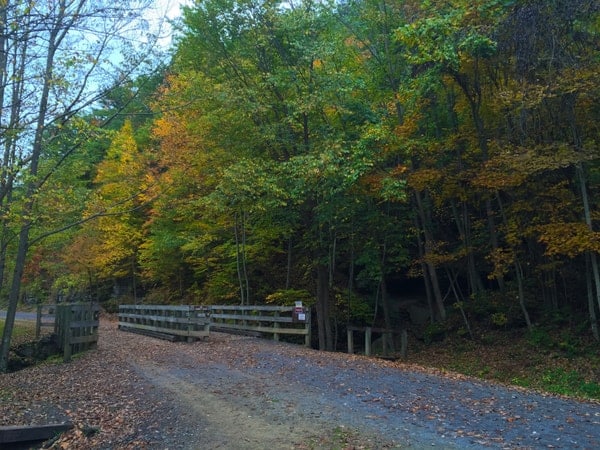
{"x": 364, "y": 156}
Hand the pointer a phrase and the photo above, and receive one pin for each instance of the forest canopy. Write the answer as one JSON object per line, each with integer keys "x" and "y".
{"x": 359, "y": 155}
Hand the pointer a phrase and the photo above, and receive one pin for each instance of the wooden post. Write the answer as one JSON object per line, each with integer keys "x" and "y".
{"x": 191, "y": 314}
{"x": 66, "y": 321}
{"x": 350, "y": 340}
{"x": 308, "y": 330}
{"x": 38, "y": 322}
{"x": 207, "y": 313}
{"x": 368, "y": 334}
{"x": 275, "y": 326}
{"x": 403, "y": 343}
{"x": 57, "y": 320}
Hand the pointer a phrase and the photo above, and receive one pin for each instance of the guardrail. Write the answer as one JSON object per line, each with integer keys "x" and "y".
{"x": 166, "y": 321}
{"x": 76, "y": 327}
{"x": 274, "y": 320}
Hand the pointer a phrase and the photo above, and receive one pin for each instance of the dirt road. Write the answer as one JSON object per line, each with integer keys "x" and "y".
{"x": 233, "y": 392}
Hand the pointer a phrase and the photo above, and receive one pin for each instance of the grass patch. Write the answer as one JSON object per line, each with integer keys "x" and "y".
{"x": 23, "y": 331}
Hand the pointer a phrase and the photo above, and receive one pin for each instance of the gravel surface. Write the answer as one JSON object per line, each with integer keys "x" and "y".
{"x": 234, "y": 392}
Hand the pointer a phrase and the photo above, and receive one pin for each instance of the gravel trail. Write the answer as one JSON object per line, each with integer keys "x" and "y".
{"x": 234, "y": 392}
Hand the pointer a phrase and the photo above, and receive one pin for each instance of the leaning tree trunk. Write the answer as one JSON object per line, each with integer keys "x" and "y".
{"x": 55, "y": 37}
{"x": 588, "y": 221}
{"x": 590, "y": 296}
{"x": 521, "y": 291}
{"x": 433, "y": 278}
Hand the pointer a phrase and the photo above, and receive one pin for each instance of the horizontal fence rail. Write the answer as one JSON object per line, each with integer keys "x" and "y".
{"x": 185, "y": 321}
{"x": 76, "y": 327}
{"x": 196, "y": 321}
{"x": 274, "y": 320}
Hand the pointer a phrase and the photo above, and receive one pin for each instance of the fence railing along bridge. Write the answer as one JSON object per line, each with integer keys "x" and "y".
{"x": 191, "y": 322}
{"x": 75, "y": 325}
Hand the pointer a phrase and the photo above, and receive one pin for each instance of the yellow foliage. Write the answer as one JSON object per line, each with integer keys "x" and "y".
{"x": 423, "y": 179}
{"x": 409, "y": 126}
{"x": 568, "y": 238}
{"x": 502, "y": 259}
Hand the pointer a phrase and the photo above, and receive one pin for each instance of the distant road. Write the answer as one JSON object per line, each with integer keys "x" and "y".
{"x": 21, "y": 315}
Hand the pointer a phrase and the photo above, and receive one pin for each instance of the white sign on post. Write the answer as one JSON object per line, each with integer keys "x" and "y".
{"x": 299, "y": 311}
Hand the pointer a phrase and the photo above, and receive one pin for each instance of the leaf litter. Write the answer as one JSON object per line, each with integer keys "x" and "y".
{"x": 235, "y": 392}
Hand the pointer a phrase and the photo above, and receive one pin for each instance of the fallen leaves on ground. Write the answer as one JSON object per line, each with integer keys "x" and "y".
{"x": 96, "y": 392}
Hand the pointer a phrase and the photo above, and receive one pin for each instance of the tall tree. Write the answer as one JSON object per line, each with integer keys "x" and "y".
{"x": 62, "y": 56}
{"x": 119, "y": 201}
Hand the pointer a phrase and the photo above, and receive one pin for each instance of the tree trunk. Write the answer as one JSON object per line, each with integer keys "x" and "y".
{"x": 56, "y": 35}
{"x": 288, "y": 273}
{"x": 521, "y": 290}
{"x": 437, "y": 294}
{"x": 238, "y": 260}
{"x": 588, "y": 220}
{"x": 13, "y": 298}
{"x": 323, "y": 309}
{"x": 464, "y": 230}
{"x": 387, "y": 317}
{"x": 428, "y": 292}
{"x": 590, "y": 296}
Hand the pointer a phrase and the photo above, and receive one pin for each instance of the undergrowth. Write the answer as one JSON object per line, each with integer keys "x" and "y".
{"x": 549, "y": 360}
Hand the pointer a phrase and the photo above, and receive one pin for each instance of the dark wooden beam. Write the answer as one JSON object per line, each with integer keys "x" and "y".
{"x": 31, "y": 432}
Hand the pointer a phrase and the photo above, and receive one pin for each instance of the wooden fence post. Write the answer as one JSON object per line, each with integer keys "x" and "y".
{"x": 350, "y": 333}
{"x": 307, "y": 329}
{"x": 368, "y": 334}
{"x": 403, "y": 343}
{"x": 66, "y": 322}
{"x": 38, "y": 322}
{"x": 275, "y": 326}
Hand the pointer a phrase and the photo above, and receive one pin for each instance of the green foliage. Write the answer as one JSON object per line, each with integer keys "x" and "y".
{"x": 553, "y": 338}
{"x": 287, "y": 297}
{"x": 499, "y": 319}
{"x": 569, "y": 382}
{"x": 434, "y": 332}
{"x": 352, "y": 308}
{"x": 111, "y": 306}
{"x": 351, "y": 142}
{"x": 539, "y": 337}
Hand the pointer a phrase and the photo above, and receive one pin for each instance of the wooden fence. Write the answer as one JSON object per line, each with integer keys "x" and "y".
{"x": 76, "y": 327}
{"x": 196, "y": 321}
{"x": 273, "y": 320}
{"x": 185, "y": 321}
{"x": 386, "y": 336}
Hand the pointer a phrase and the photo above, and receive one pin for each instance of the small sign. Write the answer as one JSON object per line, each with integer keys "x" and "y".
{"x": 299, "y": 315}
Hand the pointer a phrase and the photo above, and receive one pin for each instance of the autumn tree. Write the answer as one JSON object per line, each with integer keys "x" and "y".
{"x": 551, "y": 121}
{"x": 117, "y": 205}
{"x": 56, "y": 61}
